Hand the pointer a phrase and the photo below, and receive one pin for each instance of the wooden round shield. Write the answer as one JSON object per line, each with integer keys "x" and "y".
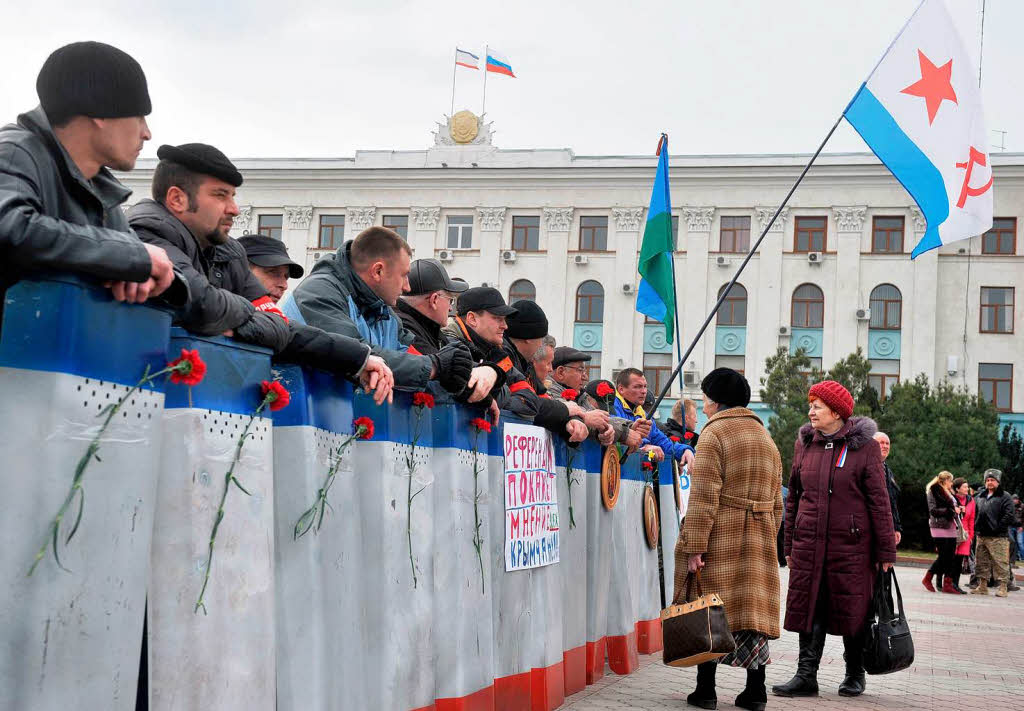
{"x": 611, "y": 476}
{"x": 651, "y": 526}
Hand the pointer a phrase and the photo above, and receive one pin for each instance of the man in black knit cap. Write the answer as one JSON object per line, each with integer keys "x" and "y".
{"x": 192, "y": 210}
{"x": 60, "y": 206}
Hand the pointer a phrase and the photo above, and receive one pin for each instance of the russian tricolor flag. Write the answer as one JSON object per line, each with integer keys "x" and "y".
{"x": 920, "y": 112}
{"x": 496, "y": 62}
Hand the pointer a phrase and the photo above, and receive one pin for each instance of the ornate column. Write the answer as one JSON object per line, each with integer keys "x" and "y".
{"x": 243, "y": 221}
{"x": 423, "y": 231}
{"x": 770, "y": 308}
{"x": 628, "y": 223}
{"x": 295, "y": 234}
{"x": 558, "y": 293}
{"x": 693, "y": 288}
{"x": 491, "y": 221}
{"x": 845, "y": 330}
{"x": 919, "y": 343}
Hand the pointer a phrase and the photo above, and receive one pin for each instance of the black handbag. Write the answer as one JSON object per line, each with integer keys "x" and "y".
{"x": 888, "y": 646}
{"x": 696, "y": 631}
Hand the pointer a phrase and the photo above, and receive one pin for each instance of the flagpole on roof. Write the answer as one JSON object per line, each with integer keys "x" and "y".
{"x": 455, "y": 68}
{"x": 743, "y": 264}
{"x": 483, "y": 109}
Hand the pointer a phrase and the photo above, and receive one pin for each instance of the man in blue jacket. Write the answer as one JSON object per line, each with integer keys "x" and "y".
{"x": 630, "y": 391}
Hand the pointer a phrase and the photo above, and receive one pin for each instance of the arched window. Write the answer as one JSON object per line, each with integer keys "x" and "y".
{"x": 522, "y": 289}
{"x": 590, "y": 302}
{"x": 808, "y": 307}
{"x": 886, "y": 305}
{"x": 733, "y": 311}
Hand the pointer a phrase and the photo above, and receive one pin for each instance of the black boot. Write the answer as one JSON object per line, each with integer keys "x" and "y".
{"x": 855, "y": 681}
{"x": 754, "y": 697}
{"x": 704, "y": 697}
{"x": 805, "y": 682}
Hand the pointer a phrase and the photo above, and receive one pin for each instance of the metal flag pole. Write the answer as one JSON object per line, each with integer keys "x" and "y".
{"x": 455, "y": 68}
{"x": 662, "y": 145}
{"x": 483, "y": 109}
{"x": 746, "y": 260}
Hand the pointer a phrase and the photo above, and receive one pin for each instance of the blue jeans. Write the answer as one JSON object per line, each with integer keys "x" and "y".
{"x": 1018, "y": 537}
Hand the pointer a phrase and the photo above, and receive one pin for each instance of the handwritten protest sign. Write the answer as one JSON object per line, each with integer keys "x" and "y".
{"x": 531, "y": 498}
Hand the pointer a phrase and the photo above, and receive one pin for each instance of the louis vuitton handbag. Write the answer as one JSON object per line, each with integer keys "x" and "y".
{"x": 695, "y": 631}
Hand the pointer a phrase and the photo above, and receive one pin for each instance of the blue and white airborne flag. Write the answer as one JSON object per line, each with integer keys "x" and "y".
{"x": 920, "y": 112}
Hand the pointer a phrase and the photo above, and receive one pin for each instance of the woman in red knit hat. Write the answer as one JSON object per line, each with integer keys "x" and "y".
{"x": 838, "y": 531}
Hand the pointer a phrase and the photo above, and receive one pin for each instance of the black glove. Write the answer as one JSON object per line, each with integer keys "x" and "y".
{"x": 266, "y": 330}
{"x": 453, "y": 366}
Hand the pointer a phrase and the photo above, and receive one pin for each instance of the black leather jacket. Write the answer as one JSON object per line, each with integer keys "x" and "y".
{"x": 223, "y": 289}
{"x": 52, "y": 218}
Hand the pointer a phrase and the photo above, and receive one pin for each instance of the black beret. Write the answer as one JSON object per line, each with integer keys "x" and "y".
{"x": 528, "y": 322}
{"x": 567, "y": 354}
{"x": 201, "y": 158}
{"x": 726, "y": 387}
{"x": 92, "y": 79}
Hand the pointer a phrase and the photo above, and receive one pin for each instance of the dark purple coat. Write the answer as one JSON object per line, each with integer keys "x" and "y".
{"x": 838, "y": 524}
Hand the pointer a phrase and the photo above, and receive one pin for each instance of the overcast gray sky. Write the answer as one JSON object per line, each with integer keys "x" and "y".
{"x": 601, "y": 77}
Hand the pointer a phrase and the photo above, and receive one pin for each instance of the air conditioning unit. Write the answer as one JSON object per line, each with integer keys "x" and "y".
{"x": 628, "y": 288}
{"x": 446, "y": 255}
{"x": 863, "y": 314}
{"x": 783, "y": 330}
{"x": 321, "y": 253}
{"x": 509, "y": 255}
{"x": 721, "y": 260}
{"x": 814, "y": 257}
{"x": 691, "y": 378}
{"x": 487, "y": 284}
{"x": 580, "y": 259}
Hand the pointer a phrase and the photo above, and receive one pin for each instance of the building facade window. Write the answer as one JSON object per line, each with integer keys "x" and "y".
{"x": 1002, "y": 238}
{"x": 736, "y": 362}
{"x": 460, "y": 232}
{"x": 593, "y": 365}
{"x": 657, "y": 369}
{"x": 271, "y": 225}
{"x": 887, "y": 235}
{"x": 884, "y": 374}
{"x": 522, "y": 289}
{"x": 810, "y": 234}
{"x": 526, "y": 233}
{"x": 886, "y": 304}
{"x": 997, "y": 309}
{"x": 733, "y": 311}
{"x": 995, "y": 384}
{"x": 332, "y": 231}
{"x": 675, "y": 232}
{"x": 808, "y": 307}
{"x": 593, "y": 233}
{"x": 734, "y": 235}
{"x": 590, "y": 303}
{"x": 398, "y": 223}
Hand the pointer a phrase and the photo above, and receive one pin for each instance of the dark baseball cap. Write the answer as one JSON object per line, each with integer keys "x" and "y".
{"x": 269, "y": 252}
{"x": 483, "y": 298}
{"x": 429, "y": 275}
{"x": 567, "y": 354}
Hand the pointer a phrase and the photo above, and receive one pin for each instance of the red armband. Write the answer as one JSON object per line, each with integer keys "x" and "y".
{"x": 265, "y": 303}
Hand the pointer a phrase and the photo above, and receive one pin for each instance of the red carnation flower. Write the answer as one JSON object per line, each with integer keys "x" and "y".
{"x": 688, "y": 435}
{"x": 570, "y": 394}
{"x": 673, "y": 438}
{"x": 481, "y": 424}
{"x": 423, "y": 400}
{"x": 277, "y": 395}
{"x": 364, "y": 427}
{"x": 647, "y": 464}
{"x": 189, "y": 369}
{"x": 604, "y": 390}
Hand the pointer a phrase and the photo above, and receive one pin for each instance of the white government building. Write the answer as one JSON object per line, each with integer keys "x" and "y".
{"x": 833, "y": 274}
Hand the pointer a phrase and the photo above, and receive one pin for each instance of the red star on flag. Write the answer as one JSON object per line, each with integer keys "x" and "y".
{"x": 934, "y": 85}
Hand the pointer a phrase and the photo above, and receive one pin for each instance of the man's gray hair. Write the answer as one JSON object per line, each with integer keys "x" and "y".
{"x": 547, "y": 342}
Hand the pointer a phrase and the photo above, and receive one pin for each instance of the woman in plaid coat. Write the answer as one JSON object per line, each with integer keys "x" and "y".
{"x": 730, "y": 532}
